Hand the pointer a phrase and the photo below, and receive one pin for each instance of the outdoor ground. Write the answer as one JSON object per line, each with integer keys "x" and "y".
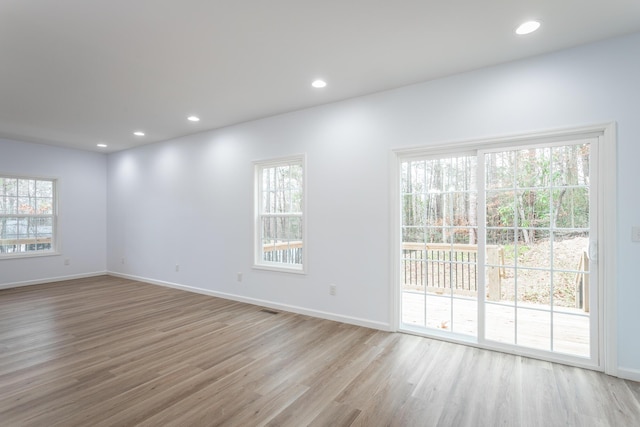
{"x": 534, "y": 285}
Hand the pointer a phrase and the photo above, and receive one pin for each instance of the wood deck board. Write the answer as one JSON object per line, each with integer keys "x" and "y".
{"x": 571, "y": 331}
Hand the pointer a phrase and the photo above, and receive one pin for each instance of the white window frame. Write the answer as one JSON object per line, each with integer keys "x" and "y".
{"x": 606, "y": 219}
{"x": 258, "y": 167}
{"x": 53, "y": 250}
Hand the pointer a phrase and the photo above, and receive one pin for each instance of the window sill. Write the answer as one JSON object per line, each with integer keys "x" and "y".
{"x": 29, "y": 255}
{"x": 280, "y": 269}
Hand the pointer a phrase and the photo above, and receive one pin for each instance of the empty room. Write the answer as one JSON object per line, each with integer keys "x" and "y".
{"x": 338, "y": 213}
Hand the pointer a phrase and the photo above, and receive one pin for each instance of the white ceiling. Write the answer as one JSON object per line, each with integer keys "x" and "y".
{"x": 78, "y": 72}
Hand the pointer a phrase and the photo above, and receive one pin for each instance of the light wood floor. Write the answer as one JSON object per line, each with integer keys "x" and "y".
{"x": 113, "y": 352}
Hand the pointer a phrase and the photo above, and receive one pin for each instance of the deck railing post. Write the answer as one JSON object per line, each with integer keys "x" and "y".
{"x": 582, "y": 283}
{"x": 493, "y": 273}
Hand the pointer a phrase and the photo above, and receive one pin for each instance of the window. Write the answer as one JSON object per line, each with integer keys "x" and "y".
{"x": 279, "y": 214}
{"x": 27, "y": 216}
{"x": 496, "y": 243}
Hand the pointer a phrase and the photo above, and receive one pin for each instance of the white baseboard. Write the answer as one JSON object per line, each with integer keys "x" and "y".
{"x": 263, "y": 303}
{"x": 51, "y": 279}
{"x": 629, "y": 374}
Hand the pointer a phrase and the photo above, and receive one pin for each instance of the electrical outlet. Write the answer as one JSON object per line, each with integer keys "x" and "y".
{"x": 122, "y": 261}
{"x": 177, "y": 267}
{"x": 67, "y": 261}
{"x": 332, "y": 289}
{"x": 239, "y": 277}
{"x": 635, "y": 233}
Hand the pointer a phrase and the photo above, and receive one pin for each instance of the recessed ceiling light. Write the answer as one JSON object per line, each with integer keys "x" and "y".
{"x": 138, "y": 133}
{"x": 102, "y": 145}
{"x": 319, "y": 84}
{"x": 193, "y": 119}
{"x": 527, "y": 27}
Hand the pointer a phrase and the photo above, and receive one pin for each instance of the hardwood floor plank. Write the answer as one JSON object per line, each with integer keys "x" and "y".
{"x": 262, "y": 410}
{"x": 79, "y": 409}
{"x": 336, "y": 415}
{"x": 107, "y": 351}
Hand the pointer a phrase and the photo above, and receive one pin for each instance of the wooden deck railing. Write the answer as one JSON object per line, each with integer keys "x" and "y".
{"x": 286, "y": 252}
{"x": 14, "y": 244}
{"x": 440, "y": 266}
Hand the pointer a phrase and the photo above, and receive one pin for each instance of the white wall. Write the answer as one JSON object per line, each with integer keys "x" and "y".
{"x": 82, "y": 187}
{"x": 189, "y": 201}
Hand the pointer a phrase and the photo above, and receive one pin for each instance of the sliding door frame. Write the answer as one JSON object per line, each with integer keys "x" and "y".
{"x": 606, "y": 225}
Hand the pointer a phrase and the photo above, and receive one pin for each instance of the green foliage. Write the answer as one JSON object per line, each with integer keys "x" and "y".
{"x": 518, "y": 251}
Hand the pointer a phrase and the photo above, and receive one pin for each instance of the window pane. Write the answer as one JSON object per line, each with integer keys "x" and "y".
{"x": 500, "y": 170}
{"x": 570, "y": 165}
{"x": 534, "y": 208}
{"x": 9, "y": 187}
{"x": 43, "y": 227}
{"x": 536, "y": 253}
{"x": 571, "y": 207}
{"x": 533, "y": 167}
{"x": 26, "y": 205}
{"x": 534, "y": 287}
{"x": 501, "y": 209}
{"x": 44, "y": 189}
{"x": 282, "y": 175}
{"x": 435, "y": 234}
{"x": 282, "y": 240}
{"x": 296, "y": 199}
{"x": 501, "y": 284}
{"x": 23, "y": 225}
{"x": 9, "y": 228}
{"x": 413, "y": 308}
{"x": 414, "y": 210}
{"x": 571, "y": 290}
{"x": 463, "y": 207}
{"x": 44, "y": 206}
{"x": 465, "y": 235}
{"x": 571, "y": 251}
{"x": 268, "y": 202}
{"x": 465, "y": 315}
{"x": 436, "y": 211}
{"x": 8, "y": 205}
{"x": 26, "y": 187}
{"x": 571, "y": 334}
{"x": 501, "y": 249}
{"x": 413, "y": 234}
{"x": 534, "y": 329}
{"x": 438, "y": 312}
{"x": 282, "y": 189}
{"x": 281, "y": 229}
{"x": 267, "y": 179}
{"x": 463, "y": 174}
{"x": 500, "y": 323}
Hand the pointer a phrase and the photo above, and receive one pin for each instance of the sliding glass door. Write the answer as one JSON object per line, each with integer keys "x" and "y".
{"x": 497, "y": 247}
{"x": 439, "y": 237}
{"x": 537, "y": 210}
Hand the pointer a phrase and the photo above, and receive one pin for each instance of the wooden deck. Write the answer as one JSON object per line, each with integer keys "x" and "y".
{"x": 570, "y": 334}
